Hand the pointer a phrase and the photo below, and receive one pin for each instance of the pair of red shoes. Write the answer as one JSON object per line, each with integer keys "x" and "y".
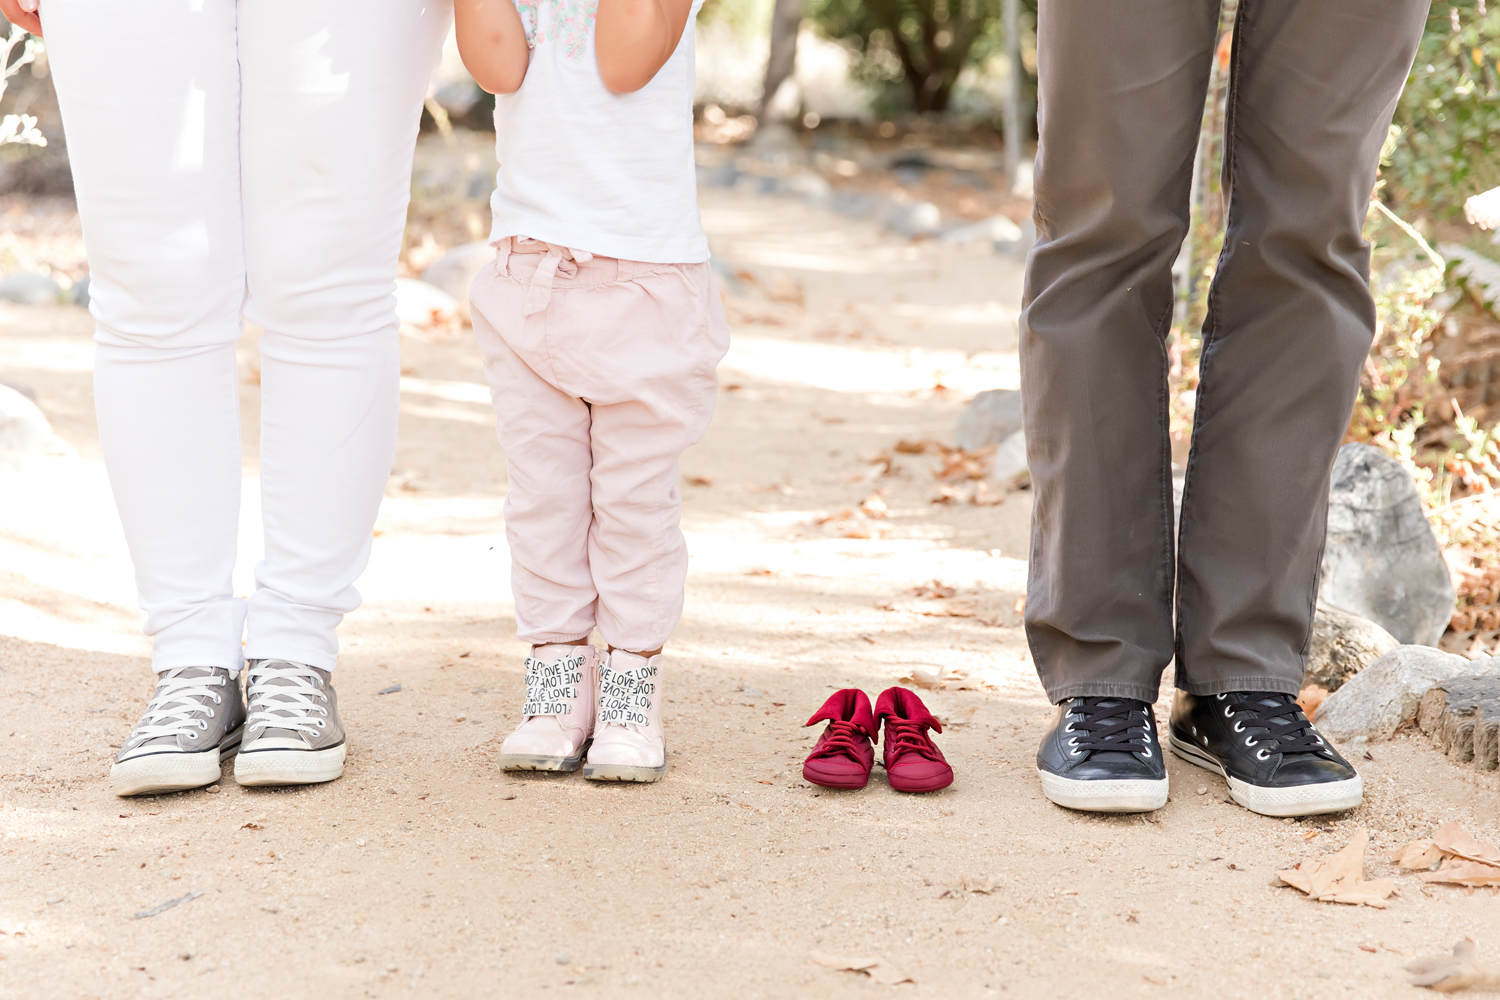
{"x": 845, "y": 752}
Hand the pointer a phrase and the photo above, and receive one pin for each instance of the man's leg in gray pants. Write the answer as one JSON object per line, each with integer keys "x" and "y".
{"x": 1122, "y": 88}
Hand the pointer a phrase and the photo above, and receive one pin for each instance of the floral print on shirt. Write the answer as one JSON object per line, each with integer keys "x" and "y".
{"x": 567, "y": 21}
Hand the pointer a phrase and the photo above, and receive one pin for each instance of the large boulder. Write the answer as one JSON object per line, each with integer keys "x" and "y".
{"x": 30, "y": 289}
{"x": 990, "y": 418}
{"x": 1382, "y": 561}
{"x": 24, "y": 430}
{"x": 1342, "y": 646}
{"x": 456, "y": 270}
{"x": 1385, "y": 694}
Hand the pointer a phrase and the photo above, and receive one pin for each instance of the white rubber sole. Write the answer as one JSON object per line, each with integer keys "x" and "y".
{"x": 1298, "y": 800}
{"x": 623, "y": 772}
{"x": 289, "y": 767}
{"x": 1118, "y": 796}
{"x": 159, "y": 773}
{"x": 533, "y": 762}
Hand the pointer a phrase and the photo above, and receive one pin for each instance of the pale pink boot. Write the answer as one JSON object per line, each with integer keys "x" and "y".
{"x": 628, "y": 741}
{"x": 559, "y": 710}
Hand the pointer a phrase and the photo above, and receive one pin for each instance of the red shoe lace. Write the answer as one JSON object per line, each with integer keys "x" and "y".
{"x": 903, "y": 736}
{"x": 842, "y": 738}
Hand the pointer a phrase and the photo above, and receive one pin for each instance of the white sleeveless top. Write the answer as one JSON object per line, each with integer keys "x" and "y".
{"x": 612, "y": 174}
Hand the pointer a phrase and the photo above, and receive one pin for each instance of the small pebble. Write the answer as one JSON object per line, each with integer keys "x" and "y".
{"x": 461, "y": 718}
{"x": 212, "y": 789}
{"x": 1202, "y": 789}
{"x": 392, "y": 968}
{"x": 562, "y": 958}
{"x": 185, "y": 955}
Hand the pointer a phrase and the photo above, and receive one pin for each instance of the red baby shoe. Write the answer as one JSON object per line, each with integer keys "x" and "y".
{"x": 913, "y": 763}
{"x": 845, "y": 752}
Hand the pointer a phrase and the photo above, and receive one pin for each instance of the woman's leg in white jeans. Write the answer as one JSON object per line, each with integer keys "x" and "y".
{"x": 333, "y": 94}
{"x": 161, "y": 132}
{"x": 150, "y": 98}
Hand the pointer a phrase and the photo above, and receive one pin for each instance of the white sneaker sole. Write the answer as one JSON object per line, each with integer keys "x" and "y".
{"x": 159, "y": 773}
{"x": 623, "y": 772}
{"x": 289, "y": 767}
{"x": 1114, "y": 796}
{"x": 1297, "y": 800}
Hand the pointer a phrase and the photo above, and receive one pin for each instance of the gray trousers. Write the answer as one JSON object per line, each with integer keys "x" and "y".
{"x": 1313, "y": 85}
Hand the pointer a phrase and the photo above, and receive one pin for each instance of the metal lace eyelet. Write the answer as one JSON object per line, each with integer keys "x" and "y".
{"x": 1262, "y": 754}
{"x": 1249, "y": 742}
{"x": 192, "y": 736}
{"x": 1146, "y": 751}
{"x": 1239, "y": 727}
{"x": 202, "y": 725}
{"x": 210, "y": 713}
{"x": 321, "y": 724}
{"x": 1218, "y": 697}
{"x": 1227, "y": 713}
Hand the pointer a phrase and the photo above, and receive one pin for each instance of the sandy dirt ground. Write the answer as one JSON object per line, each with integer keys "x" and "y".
{"x": 426, "y": 871}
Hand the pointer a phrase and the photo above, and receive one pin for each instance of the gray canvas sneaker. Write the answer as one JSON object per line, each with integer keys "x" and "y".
{"x": 293, "y": 736}
{"x": 194, "y": 721}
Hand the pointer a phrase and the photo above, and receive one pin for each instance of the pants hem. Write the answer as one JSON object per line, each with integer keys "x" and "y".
{"x": 1103, "y": 689}
{"x": 1244, "y": 682}
{"x": 232, "y": 662}
{"x": 547, "y": 638}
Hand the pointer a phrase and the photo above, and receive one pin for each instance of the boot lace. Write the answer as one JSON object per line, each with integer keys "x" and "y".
{"x": 177, "y": 708}
{"x": 625, "y": 696}
{"x": 552, "y": 688}
{"x": 1272, "y": 722}
{"x": 286, "y": 695}
{"x": 1118, "y": 724}
{"x": 841, "y": 739}
{"x": 908, "y": 736}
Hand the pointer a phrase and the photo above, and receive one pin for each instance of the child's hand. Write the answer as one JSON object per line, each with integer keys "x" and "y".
{"x": 492, "y": 42}
{"x": 1483, "y": 210}
{"x": 633, "y": 39}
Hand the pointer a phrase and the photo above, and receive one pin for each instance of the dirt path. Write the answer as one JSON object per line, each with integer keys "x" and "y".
{"x": 427, "y": 871}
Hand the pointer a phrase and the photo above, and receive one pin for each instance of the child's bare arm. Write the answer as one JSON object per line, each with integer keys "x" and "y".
{"x": 633, "y": 39}
{"x": 492, "y": 42}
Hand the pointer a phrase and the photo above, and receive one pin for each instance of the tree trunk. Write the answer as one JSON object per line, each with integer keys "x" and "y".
{"x": 786, "y": 20}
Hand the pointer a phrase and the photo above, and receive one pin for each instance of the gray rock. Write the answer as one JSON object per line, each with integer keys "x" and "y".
{"x": 724, "y": 175}
{"x": 1382, "y": 561}
{"x": 1385, "y": 694}
{"x": 1008, "y": 467}
{"x": 458, "y": 97}
{"x": 421, "y": 304}
{"x": 79, "y": 294}
{"x": 915, "y": 220}
{"x": 24, "y": 430}
{"x": 456, "y": 270}
{"x": 997, "y": 230}
{"x": 22, "y": 388}
{"x": 806, "y": 185}
{"x": 1342, "y": 646}
{"x": 29, "y": 289}
{"x": 990, "y": 418}
{"x": 1462, "y": 715}
{"x": 856, "y": 204}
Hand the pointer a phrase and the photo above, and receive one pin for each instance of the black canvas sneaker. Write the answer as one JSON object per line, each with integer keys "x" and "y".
{"x": 1274, "y": 760}
{"x": 1101, "y": 755}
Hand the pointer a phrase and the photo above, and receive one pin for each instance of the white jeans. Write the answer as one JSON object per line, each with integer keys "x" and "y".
{"x": 244, "y": 160}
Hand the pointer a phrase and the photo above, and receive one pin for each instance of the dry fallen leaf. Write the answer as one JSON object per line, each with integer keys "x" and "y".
{"x": 924, "y": 677}
{"x": 1310, "y": 698}
{"x": 1450, "y": 973}
{"x": 933, "y": 590}
{"x": 874, "y": 506}
{"x": 953, "y": 609}
{"x": 1417, "y": 854}
{"x": 960, "y": 718}
{"x": 699, "y": 480}
{"x": 1463, "y": 872}
{"x": 1336, "y": 878}
{"x": 876, "y": 968}
{"x": 1451, "y": 839}
{"x": 985, "y": 885}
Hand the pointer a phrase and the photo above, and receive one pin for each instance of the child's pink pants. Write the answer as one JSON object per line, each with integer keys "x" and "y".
{"x": 602, "y": 372}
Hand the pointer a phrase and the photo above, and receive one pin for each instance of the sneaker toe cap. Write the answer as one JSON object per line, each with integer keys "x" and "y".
{"x": 836, "y": 773}
{"x": 919, "y": 775}
{"x": 1307, "y": 769}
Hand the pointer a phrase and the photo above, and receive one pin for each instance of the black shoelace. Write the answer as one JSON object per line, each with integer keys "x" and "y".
{"x": 1119, "y": 724}
{"x": 1277, "y": 716}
